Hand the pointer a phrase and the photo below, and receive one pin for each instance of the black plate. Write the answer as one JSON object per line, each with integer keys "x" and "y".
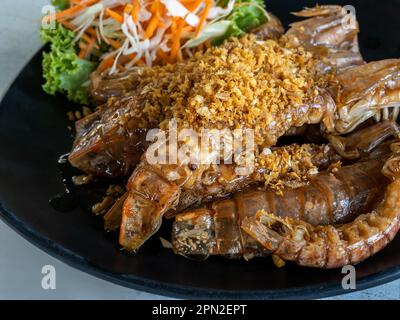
{"x": 33, "y": 133}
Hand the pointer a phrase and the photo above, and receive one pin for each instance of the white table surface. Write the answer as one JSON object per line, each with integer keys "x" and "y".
{"x": 21, "y": 262}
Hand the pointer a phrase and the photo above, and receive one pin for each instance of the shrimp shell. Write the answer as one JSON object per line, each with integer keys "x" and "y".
{"x": 152, "y": 194}
{"x": 327, "y": 199}
{"x": 335, "y": 246}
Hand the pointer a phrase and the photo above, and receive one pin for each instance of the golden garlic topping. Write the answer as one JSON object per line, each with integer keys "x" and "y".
{"x": 245, "y": 83}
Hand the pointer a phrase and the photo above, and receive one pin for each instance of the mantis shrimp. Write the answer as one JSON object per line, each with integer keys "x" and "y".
{"x": 332, "y": 246}
{"x": 328, "y": 198}
{"x": 110, "y": 141}
{"x": 156, "y": 189}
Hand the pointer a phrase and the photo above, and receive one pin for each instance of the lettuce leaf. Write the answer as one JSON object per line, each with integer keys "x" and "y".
{"x": 60, "y": 4}
{"x": 248, "y": 15}
{"x": 63, "y": 71}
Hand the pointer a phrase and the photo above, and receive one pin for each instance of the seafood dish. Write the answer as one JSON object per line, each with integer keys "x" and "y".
{"x": 260, "y": 143}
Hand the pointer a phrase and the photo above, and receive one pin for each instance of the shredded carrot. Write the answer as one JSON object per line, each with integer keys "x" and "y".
{"x": 70, "y": 11}
{"x": 92, "y": 31}
{"x": 82, "y": 50}
{"x": 155, "y": 19}
{"x": 69, "y": 25}
{"x": 187, "y": 29}
{"x": 173, "y": 25}
{"x": 175, "y": 34}
{"x": 116, "y": 16}
{"x": 176, "y": 41}
{"x": 106, "y": 63}
{"x": 86, "y": 38}
{"x": 203, "y": 17}
{"x": 120, "y": 67}
{"x": 125, "y": 59}
{"x": 193, "y": 5}
{"x": 135, "y": 10}
{"x": 128, "y": 9}
{"x": 88, "y": 50}
{"x": 119, "y": 9}
{"x": 90, "y": 40}
{"x": 162, "y": 55}
{"x": 152, "y": 26}
{"x": 115, "y": 44}
{"x": 154, "y": 6}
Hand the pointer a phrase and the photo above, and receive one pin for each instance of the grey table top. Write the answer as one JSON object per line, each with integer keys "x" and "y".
{"x": 20, "y": 262}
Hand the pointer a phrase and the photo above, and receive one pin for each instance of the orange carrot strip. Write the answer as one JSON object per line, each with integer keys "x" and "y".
{"x": 155, "y": 19}
{"x": 128, "y": 9}
{"x": 86, "y": 37}
{"x": 88, "y": 50}
{"x": 82, "y": 50}
{"x": 176, "y": 41}
{"x": 187, "y": 29}
{"x": 105, "y": 64}
{"x": 92, "y": 31}
{"x": 69, "y": 25}
{"x": 152, "y": 26}
{"x": 125, "y": 59}
{"x": 119, "y": 9}
{"x": 173, "y": 25}
{"x": 90, "y": 40}
{"x": 203, "y": 17}
{"x": 116, "y": 16}
{"x": 154, "y": 6}
{"x": 193, "y": 5}
{"x": 88, "y": 47}
{"x": 82, "y": 45}
{"x": 70, "y": 11}
{"x": 162, "y": 55}
{"x": 135, "y": 10}
{"x": 120, "y": 67}
{"x": 115, "y": 44}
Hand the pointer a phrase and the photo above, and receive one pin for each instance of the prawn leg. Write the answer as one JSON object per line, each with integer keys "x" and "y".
{"x": 363, "y": 141}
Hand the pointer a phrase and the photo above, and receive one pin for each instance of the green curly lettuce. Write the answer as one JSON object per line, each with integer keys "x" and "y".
{"x": 246, "y": 15}
{"x": 60, "y": 4}
{"x": 63, "y": 71}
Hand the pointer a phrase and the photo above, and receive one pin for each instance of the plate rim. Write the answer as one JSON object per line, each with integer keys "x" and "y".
{"x": 168, "y": 289}
{"x": 185, "y": 292}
